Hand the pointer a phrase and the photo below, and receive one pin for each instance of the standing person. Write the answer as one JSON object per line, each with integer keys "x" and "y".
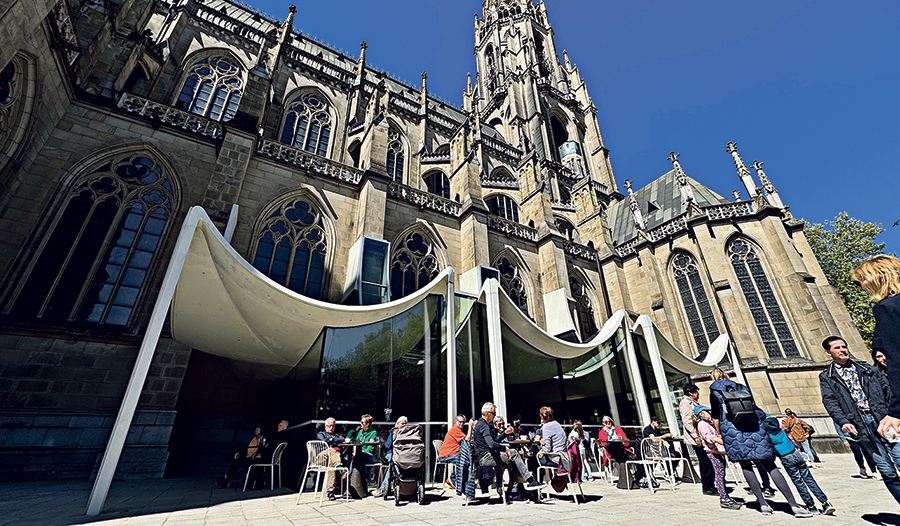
{"x": 880, "y": 361}
{"x": 553, "y": 438}
{"x": 856, "y": 395}
{"x": 796, "y": 468}
{"x": 861, "y": 457}
{"x": 491, "y": 453}
{"x": 714, "y": 450}
{"x": 879, "y": 276}
{"x": 799, "y": 431}
{"x": 686, "y": 407}
{"x": 738, "y": 420}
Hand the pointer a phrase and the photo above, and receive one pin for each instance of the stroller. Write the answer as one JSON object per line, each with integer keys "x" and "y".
{"x": 406, "y": 473}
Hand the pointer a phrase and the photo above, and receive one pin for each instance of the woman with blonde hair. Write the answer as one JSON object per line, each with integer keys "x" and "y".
{"x": 879, "y": 276}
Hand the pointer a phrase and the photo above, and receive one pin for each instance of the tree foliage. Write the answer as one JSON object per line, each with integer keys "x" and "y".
{"x": 839, "y": 246}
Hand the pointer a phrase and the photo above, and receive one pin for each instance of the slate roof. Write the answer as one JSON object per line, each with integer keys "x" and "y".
{"x": 660, "y": 201}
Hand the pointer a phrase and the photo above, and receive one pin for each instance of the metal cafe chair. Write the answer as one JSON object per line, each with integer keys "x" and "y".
{"x": 437, "y": 464}
{"x": 318, "y": 464}
{"x": 276, "y": 463}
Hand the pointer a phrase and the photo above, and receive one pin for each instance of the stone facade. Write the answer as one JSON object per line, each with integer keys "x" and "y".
{"x": 140, "y": 110}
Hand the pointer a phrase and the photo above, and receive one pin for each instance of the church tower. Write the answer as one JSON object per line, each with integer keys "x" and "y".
{"x": 538, "y": 103}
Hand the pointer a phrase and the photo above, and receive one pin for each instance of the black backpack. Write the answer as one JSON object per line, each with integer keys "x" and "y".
{"x": 739, "y": 406}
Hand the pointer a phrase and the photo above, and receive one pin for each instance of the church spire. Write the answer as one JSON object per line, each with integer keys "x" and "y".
{"x": 635, "y": 207}
{"x": 423, "y": 93}
{"x": 361, "y": 64}
{"x": 742, "y": 170}
{"x": 771, "y": 192}
{"x": 687, "y": 191}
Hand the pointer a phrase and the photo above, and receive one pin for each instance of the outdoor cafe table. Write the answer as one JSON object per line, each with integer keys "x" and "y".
{"x": 358, "y": 487}
{"x": 618, "y": 453}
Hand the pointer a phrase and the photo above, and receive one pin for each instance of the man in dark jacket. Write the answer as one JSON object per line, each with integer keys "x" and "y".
{"x": 856, "y": 396}
{"x": 490, "y": 452}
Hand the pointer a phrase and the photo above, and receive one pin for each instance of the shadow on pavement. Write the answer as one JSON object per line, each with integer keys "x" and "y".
{"x": 890, "y": 519}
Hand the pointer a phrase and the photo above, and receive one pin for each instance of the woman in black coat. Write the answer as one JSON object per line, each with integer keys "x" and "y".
{"x": 880, "y": 277}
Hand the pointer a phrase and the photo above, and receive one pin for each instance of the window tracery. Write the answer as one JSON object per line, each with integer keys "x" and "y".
{"x": 770, "y": 322}
{"x": 395, "y": 156}
{"x": 413, "y": 265}
{"x": 307, "y": 124}
{"x": 291, "y": 247}
{"x": 212, "y": 88}
{"x": 586, "y": 322}
{"x": 89, "y": 271}
{"x": 512, "y": 282}
{"x": 694, "y": 301}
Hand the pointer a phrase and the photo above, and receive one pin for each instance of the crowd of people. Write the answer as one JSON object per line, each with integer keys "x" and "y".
{"x": 863, "y": 400}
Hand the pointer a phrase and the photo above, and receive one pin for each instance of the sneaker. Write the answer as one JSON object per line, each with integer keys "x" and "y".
{"x": 711, "y": 492}
{"x": 447, "y": 482}
{"x": 768, "y": 492}
{"x": 863, "y": 473}
{"x": 730, "y": 504}
{"x": 534, "y": 485}
{"x": 802, "y": 513}
{"x": 376, "y": 492}
{"x": 330, "y": 496}
{"x": 827, "y": 509}
{"x": 766, "y": 510}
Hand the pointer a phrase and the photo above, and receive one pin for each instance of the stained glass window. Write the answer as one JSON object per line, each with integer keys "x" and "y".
{"x": 97, "y": 258}
{"x": 695, "y": 301}
{"x": 413, "y": 265}
{"x": 307, "y": 124}
{"x": 504, "y": 206}
{"x": 512, "y": 283}
{"x": 770, "y": 322}
{"x": 438, "y": 184}
{"x": 587, "y": 325}
{"x": 291, "y": 247}
{"x": 395, "y": 156}
{"x": 213, "y": 88}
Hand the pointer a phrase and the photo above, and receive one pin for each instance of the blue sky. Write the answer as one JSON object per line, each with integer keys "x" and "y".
{"x": 808, "y": 87}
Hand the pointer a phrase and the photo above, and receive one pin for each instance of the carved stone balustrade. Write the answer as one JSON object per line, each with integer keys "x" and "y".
{"x": 425, "y": 199}
{"x": 308, "y": 161}
{"x": 511, "y": 228}
{"x": 579, "y": 251}
{"x": 170, "y": 116}
{"x": 727, "y": 211}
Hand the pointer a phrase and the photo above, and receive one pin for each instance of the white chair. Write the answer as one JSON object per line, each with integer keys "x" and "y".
{"x": 318, "y": 464}
{"x": 437, "y": 463}
{"x": 573, "y": 478}
{"x": 651, "y": 457}
{"x": 604, "y": 472}
{"x": 735, "y": 470}
{"x": 275, "y": 463}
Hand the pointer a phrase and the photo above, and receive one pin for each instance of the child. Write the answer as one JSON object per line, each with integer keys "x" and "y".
{"x": 715, "y": 450}
{"x": 796, "y": 467}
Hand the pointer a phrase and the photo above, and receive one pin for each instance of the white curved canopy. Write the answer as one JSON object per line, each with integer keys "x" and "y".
{"x": 224, "y": 306}
{"x": 674, "y": 357}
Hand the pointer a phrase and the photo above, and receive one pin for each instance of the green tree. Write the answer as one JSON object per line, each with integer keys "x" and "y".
{"x": 839, "y": 246}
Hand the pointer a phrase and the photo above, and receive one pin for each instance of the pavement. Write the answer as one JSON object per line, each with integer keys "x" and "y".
{"x": 199, "y": 502}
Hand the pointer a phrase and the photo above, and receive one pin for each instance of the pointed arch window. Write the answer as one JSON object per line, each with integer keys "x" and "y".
{"x": 587, "y": 325}
{"x": 413, "y": 265}
{"x": 291, "y": 248}
{"x": 95, "y": 262}
{"x": 504, "y": 206}
{"x": 770, "y": 322}
{"x": 694, "y": 301}
{"x": 395, "y": 156}
{"x": 568, "y": 230}
{"x": 307, "y": 124}
{"x": 512, "y": 282}
{"x": 213, "y": 89}
{"x": 438, "y": 184}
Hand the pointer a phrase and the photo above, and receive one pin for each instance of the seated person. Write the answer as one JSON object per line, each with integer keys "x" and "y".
{"x": 449, "y": 451}
{"x": 243, "y": 459}
{"x": 491, "y": 453}
{"x": 332, "y": 455}
{"x": 389, "y": 447}
{"x": 271, "y": 444}
{"x": 502, "y": 432}
{"x": 610, "y": 431}
{"x": 365, "y": 433}
{"x": 553, "y": 438}
{"x": 654, "y": 431}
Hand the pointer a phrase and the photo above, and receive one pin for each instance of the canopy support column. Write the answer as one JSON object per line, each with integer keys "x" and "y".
{"x": 427, "y": 323}
{"x": 142, "y": 365}
{"x": 495, "y": 342}
{"x": 660, "y": 374}
{"x": 610, "y": 392}
{"x": 451, "y": 351}
{"x": 640, "y": 395}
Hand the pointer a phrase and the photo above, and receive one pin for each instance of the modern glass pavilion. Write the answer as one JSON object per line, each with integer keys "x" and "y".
{"x": 396, "y": 357}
